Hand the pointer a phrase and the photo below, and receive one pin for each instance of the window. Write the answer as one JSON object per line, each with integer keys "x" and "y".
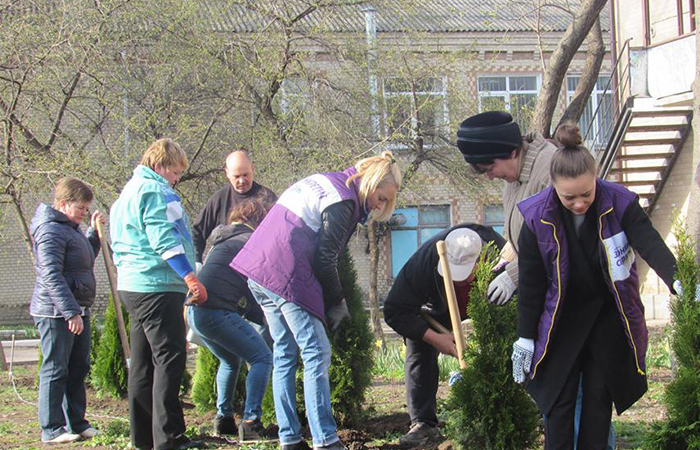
{"x": 494, "y": 217}
{"x": 412, "y": 107}
{"x": 596, "y": 131}
{"x": 416, "y": 225}
{"x": 515, "y": 94}
{"x": 296, "y": 97}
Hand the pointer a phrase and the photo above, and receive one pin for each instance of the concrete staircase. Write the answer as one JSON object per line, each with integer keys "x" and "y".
{"x": 649, "y": 140}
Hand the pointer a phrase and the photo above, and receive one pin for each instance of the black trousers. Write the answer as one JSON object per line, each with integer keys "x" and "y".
{"x": 596, "y": 409}
{"x": 422, "y": 377}
{"x": 158, "y": 359}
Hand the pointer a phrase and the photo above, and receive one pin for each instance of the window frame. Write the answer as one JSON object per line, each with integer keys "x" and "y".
{"x": 596, "y": 95}
{"x": 418, "y": 228}
{"x": 444, "y": 117}
{"x": 507, "y": 93}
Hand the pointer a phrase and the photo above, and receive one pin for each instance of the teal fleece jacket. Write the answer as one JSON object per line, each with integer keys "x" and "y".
{"x": 148, "y": 226}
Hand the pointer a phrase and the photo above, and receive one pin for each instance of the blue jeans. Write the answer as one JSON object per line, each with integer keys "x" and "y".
{"x": 293, "y": 330}
{"x": 231, "y": 338}
{"x": 62, "y": 375}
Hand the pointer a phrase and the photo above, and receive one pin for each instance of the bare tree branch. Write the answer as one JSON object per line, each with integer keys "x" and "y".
{"x": 589, "y": 77}
{"x": 559, "y": 63}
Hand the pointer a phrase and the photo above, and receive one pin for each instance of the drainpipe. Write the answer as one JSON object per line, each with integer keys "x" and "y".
{"x": 125, "y": 106}
{"x": 371, "y": 33}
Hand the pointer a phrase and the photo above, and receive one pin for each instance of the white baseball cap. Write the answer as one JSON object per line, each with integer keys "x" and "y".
{"x": 463, "y": 249}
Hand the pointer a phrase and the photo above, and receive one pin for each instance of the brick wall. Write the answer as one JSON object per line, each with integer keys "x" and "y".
{"x": 675, "y": 198}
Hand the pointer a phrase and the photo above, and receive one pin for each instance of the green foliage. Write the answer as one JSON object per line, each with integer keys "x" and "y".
{"x": 186, "y": 383}
{"x": 115, "y": 435}
{"x": 109, "y": 374}
{"x": 486, "y": 409}
{"x": 351, "y": 359}
{"x": 204, "y": 384}
{"x": 95, "y": 335}
{"x": 389, "y": 362}
{"x": 681, "y": 429}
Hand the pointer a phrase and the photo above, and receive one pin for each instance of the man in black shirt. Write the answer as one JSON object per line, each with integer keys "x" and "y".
{"x": 239, "y": 171}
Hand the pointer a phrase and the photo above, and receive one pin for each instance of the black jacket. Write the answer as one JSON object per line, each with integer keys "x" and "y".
{"x": 333, "y": 236}
{"x": 226, "y": 288}
{"x": 588, "y": 319}
{"x": 217, "y": 209}
{"x": 419, "y": 286}
{"x": 64, "y": 263}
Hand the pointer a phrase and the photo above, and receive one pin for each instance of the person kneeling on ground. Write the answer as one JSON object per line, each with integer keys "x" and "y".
{"x": 419, "y": 289}
{"x": 221, "y": 325}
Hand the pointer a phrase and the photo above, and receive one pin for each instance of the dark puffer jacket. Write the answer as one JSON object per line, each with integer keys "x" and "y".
{"x": 226, "y": 288}
{"x": 65, "y": 259}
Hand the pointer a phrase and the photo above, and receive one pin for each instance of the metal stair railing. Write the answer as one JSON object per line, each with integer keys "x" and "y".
{"x": 612, "y": 131}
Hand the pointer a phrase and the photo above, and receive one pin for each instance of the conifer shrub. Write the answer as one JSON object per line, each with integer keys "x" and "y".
{"x": 681, "y": 428}
{"x": 109, "y": 375}
{"x": 352, "y": 355}
{"x": 204, "y": 389}
{"x": 94, "y": 345}
{"x": 204, "y": 381}
{"x": 486, "y": 408}
{"x": 352, "y": 358}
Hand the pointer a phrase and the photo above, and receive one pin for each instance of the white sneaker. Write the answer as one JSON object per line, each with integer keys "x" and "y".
{"x": 89, "y": 433}
{"x": 63, "y": 439}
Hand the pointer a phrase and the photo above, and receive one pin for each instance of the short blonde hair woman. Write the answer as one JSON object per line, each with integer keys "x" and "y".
{"x": 154, "y": 255}
{"x": 291, "y": 262}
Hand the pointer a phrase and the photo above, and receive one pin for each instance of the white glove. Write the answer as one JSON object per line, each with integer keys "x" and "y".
{"x": 679, "y": 290}
{"x": 501, "y": 289}
{"x": 197, "y": 267}
{"x": 454, "y": 377}
{"x": 522, "y": 358}
{"x": 336, "y": 314}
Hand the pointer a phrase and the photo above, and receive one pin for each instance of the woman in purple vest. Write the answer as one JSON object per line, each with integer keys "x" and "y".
{"x": 291, "y": 263}
{"x": 580, "y": 315}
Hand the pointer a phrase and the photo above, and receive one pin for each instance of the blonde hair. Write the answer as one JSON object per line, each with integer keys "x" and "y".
{"x": 374, "y": 172}
{"x": 165, "y": 152}
{"x": 71, "y": 190}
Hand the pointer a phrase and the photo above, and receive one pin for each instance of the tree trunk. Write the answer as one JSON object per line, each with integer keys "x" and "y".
{"x": 559, "y": 62}
{"x": 374, "y": 313}
{"x": 594, "y": 60}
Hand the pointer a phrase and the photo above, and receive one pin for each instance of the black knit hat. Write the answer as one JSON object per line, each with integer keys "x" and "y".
{"x": 488, "y": 136}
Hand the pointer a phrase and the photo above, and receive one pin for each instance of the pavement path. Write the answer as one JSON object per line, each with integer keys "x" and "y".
{"x": 26, "y": 351}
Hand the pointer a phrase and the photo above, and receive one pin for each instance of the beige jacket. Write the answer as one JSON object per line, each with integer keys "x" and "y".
{"x": 533, "y": 176}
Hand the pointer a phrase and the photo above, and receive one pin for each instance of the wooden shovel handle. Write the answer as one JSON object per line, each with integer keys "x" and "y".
{"x": 455, "y": 318}
{"x": 112, "y": 275}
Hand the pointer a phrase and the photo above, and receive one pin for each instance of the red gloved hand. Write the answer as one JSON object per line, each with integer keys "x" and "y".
{"x": 197, "y": 289}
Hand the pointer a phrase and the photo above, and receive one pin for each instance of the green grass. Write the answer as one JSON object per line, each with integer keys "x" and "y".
{"x": 659, "y": 350}
{"x": 632, "y": 433}
{"x": 389, "y": 362}
{"x": 114, "y": 435}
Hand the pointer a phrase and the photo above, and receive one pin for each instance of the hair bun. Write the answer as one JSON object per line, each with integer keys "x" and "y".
{"x": 568, "y": 135}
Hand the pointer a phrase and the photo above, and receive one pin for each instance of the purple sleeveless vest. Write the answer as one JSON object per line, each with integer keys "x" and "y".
{"x": 542, "y": 217}
{"x": 280, "y": 253}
